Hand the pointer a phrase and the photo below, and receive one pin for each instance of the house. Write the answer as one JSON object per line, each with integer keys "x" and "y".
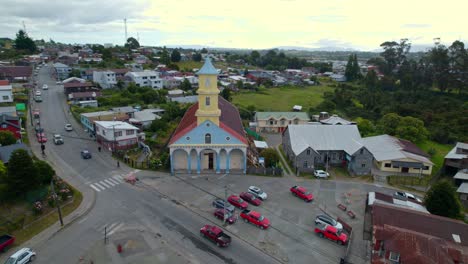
{"x": 83, "y": 96}
{"x": 105, "y": 79}
{"x": 76, "y": 87}
{"x": 277, "y": 122}
{"x": 16, "y": 73}
{"x": 8, "y": 110}
{"x": 145, "y": 78}
{"x": 61, "y": 70}
{"x": 73, "y": 80}
{"x": 6, "y": 92}
{"x": 11, "y": 123}
{"x": 88, "y": 119}
{"x": 175, "y": 93}
{"x": 5, "y": 151}
{"x": 338, "y": 77}
{"x": 397, "y": 156}
{"x": 396, "y": 201}
{"x": 184, "y": 100}
{"x": 456, "y": 159}
{"x": 90, "y": 103}
{"x": 315, "y": 146}
{"x": 128, "y": 110}
{"x": 336, "y": 120}
{"x": 461, "y": 181}
{"x": 401, "y": 235}
{"x": 145, "y": 117}
{"x": 171, "y": 82}
{"x": 116, "y": 135}
{"x": 210, "y": 137}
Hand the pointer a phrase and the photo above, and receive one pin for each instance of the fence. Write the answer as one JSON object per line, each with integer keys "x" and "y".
{"x": 265, "y": 171}
{"x": 408, "y": 180}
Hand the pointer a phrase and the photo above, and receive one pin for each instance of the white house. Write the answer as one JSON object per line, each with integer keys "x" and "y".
{"x": 6, "y": 93}
{"x": 146, "y": 116}
{"x": 146, "y": 78}
{"x": 116, "y": 135}
{"x": 106, "y": 79}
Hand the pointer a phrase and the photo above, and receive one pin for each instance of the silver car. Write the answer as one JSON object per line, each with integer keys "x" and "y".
{"x": 258, "y": 192}
{"x": 325, "y": 219}
{"x": 24, "y": 255}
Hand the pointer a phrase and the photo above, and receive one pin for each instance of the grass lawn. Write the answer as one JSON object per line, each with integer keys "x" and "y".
{"x": 440, "y": 151}
{"x": 282, "y": 98}
{"x": 23, "y": 235}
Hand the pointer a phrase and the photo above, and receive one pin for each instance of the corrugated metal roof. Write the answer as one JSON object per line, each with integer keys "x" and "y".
{"x": 322, "y": 138}
{"x": 453, "y": 153}
{"x": 279, "y": 115}
{"x": 116, "y": 124}
{"x": 463, "y": 188}
{"x": 336, "y": 120}
{"x": 461, "y": 175}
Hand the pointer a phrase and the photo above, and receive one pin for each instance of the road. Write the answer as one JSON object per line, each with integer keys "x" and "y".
{"x": 119, "y": 206}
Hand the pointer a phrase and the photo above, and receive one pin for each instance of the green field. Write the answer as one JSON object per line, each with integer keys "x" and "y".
{"x": 282, "y": 98}
{"x": 440, "y": 150}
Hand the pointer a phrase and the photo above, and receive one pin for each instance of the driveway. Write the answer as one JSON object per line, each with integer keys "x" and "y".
{"x": 272, "y": 139}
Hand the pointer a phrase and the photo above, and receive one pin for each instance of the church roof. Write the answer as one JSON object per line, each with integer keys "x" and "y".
{"x": 208, "y": 68}
{"x": 229, "y": 121}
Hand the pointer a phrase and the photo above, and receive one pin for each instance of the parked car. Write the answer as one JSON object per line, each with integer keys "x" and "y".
{"x": 250, "y": 198}
{"x": 45, "y": 87}
{"x": 321, "y": 174}
{"x": 58, "y": 140}
{"x": 216, "y": 235}
{"x": 238, "y": 202}
{"x": 302, "y": 193}
{"x": 258, "y": 192}
{"x": 68, "y": 127}
{"x": 38, "y": 98}
{"x": 406, "y": 196}
{"x": 255, "y": 218}
{"x": 24, "y": 255}
{"x": 85, "y": 154}
{"x": 220, "y": 203}
{"x": 38, "y": 93}
{"x": 58, "y": 82}
{"x": 38, "y": 129}
{"x": 5, "y": 241}
{"x": 331, "y": 233}
{"x": 41, "y": 137}
{"x": 231, "y": 218}
{"x": 327, "y": 220}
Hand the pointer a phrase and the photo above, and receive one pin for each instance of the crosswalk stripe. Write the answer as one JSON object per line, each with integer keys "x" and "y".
{"x": 118, "y": 178}
{"x": 109, "y": 182}
{"x": 105, "y": 184}
{"x": 98, "y": 185}
{"x": 114, "y": 181}
{"x": 95, "y": 188}
{"x": 112, "y": 231}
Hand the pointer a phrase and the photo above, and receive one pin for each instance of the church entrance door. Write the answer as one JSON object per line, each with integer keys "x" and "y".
{"x": 210, "y": 161}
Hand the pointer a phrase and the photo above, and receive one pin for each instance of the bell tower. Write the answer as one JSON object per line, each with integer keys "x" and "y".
{"x": 208, "y": 94}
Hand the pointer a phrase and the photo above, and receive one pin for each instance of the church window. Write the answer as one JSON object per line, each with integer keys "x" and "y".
{"x": 207, "y": 100}
{"x": 228, "y": 138}
{"x": 207, "y": 138}
{"x": 187, "y": 138}
{"x": 308, "y": 152}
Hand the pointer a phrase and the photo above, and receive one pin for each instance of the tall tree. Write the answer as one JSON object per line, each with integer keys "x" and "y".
{"x": 439, "y": 62}
{"x": 175, "y": 56}
{"x": 458, "y": 58}
{"x": 394, "y": 54}
{"x": 24, "y": 42}
{"x": 22, "y": 175}
{"x": 442, "y": 199}
{"x": 389, "y": 123}
{"x": 185, "y": 85}
{"x": 165, "y": 58}
{"x": 132, "y": 43}
{"x": 45, "y": 171}
{"x": 226, "y": 94}
{"x": 196, "y": 57}
{"x": 204, "y": 51}
{"x": 412, "y": 129}
{"x": 7, "y": 138}
{"x": 352, "y": 71}
{"x": 271, "y": 157}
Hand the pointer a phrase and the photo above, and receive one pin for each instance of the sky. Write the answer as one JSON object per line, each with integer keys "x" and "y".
{"x": 251, "y": 24}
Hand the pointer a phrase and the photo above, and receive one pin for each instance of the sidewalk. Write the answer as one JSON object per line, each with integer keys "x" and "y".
{"x": 287, "y": 171}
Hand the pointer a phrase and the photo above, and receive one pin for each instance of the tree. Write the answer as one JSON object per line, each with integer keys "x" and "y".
{"x": 254, "y": 56}
{"x": 107, "y": 54}
{"x": 7, "y": 138}
{"x": 352, "y": 71}
{"x": 197, "y": 57}
{"x": 366, "y": 128}
{"x": 132, "y": 43}
{"x": 458, "y": 58}
{"x": 45, "y": 171}
{"x": 412, "y": 129}
{"x": 175, "y": 56}
{"x": 371, "y": 80}
{"x": 226, "y": 94}
{"x": 440, "y": 65}
{"x": 240, "y": 84}
{"x": 271, "y": 157}
{"x": 165, "y": 58}
{"x": 22, "y": 175}
{"x": 394, "y": 54}
{"x": 74, "y": 73}
{"x": 442, "y": 199}
{"x": 24, "y": 42}
{"x": 204, "y": 51}
{"x": 185, "y": 85}
{"x": 389, "y": 123}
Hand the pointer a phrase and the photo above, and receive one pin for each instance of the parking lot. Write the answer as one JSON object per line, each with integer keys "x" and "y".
{"x": 291, "y": 236}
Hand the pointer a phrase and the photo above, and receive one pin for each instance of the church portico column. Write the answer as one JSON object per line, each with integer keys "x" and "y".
{"x": 189, "y": 162}
{"x": 228, "y": 160}
{"x": 218, "y": 157}
{"x": 198, "y": 161}
{"x": 172, "y": 163}
{"x": 245, "y": 160}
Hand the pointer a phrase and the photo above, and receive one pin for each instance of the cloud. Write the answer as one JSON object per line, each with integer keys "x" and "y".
{"x": 416, "y": 26}
{"x": 328, "y": 18}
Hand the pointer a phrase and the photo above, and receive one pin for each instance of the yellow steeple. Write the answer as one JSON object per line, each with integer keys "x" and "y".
{"x": 208, "y": 94}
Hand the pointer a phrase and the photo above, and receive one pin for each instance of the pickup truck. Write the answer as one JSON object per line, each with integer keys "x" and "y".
{"x": 331, "y": 233}
{"x": 216, "y": 235}
{"x": 5, "y": 241}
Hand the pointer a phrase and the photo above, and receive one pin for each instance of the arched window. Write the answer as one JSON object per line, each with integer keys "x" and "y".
{"x": 207, "y": 138}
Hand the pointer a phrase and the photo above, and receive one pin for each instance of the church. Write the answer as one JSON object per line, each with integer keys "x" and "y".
{"x": 210, "y": 137}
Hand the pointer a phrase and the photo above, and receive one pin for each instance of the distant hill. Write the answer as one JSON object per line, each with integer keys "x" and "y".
{"x": 316, "y": 49}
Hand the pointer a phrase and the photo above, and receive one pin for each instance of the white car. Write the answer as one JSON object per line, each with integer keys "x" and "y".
{"x": 45, "y": 87}
{"x": 24, "y": 255}
{"x": 58, "y": 82}
{"x": 258, "y": 192}
{"x": 327, "y": 220}
{"x": 38, "y": 93}
{"x": 68, "y": 127}
{"x": 321, "y": 174}
{"x": 407, "y": 196}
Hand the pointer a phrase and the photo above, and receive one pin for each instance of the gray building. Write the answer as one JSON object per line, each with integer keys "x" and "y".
{"x": 312, "y": 147}
{"x": 61, "y": 70}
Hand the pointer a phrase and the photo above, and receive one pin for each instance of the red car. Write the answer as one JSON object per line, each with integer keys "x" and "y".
{"x": 230, "y": 217}
{"x": 41, "y": 137}
{"x": 255, "y": 218}
{"x": 250, "y": 198}
{"x": 237, "y": 202}
{"x": 302, "y": 193}
{"x": 332, "y": 233}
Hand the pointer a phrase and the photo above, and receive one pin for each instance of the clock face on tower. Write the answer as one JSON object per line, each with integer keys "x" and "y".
{"x": 207, "y": 83}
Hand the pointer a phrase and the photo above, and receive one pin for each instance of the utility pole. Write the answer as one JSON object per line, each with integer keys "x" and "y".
{"x": 54, "y": 195}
